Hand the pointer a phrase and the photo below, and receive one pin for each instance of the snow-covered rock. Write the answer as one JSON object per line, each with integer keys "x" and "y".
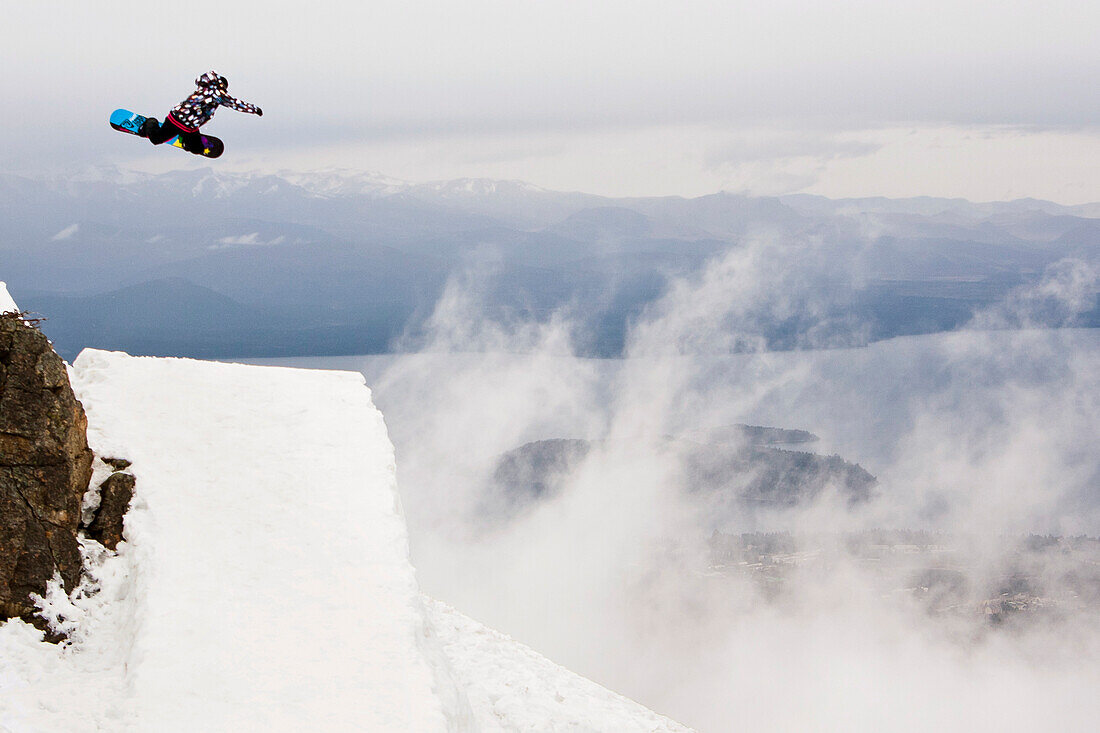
{"x": 264, "y": 582}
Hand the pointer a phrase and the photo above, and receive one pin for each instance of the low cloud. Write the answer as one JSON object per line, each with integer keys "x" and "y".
{"x": 247, "y": 240}
{"x": 776, "y": 161}
{"x": 1067, "y": 290}
{"x": 767, "y": 289}
{"x": 780, "y": 146}
{"x": 66, "y": 233}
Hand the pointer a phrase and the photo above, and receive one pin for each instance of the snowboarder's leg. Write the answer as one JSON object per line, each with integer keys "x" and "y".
{"x": 192, "y": 142}
{"x": 148, "y": 127}
{"x": 190, "y": 139}
{"x": 161, "y": 133}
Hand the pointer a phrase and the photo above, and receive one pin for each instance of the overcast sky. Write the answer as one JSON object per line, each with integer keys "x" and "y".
{"x": 987, "y": 100}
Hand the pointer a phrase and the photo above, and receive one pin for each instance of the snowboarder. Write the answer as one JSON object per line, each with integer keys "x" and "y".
{"x": 188, "y": 116}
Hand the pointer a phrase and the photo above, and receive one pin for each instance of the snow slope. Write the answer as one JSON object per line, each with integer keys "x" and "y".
{"x": 512, "y": 688}
{"x": 264, "y": 583}
{"x": 272, "y": 586}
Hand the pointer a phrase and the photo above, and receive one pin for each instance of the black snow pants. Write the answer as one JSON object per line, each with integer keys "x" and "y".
{"x": 191, "y": 139}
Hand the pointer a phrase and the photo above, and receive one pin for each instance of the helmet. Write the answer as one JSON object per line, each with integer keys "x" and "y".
{"x": 212, "y": 79}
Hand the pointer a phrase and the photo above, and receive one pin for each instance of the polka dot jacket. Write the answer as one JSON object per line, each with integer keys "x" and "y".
{"x": 198, "y": 108}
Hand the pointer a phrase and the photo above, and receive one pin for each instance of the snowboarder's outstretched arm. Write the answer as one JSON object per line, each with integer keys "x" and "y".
{"x": 233, "y": 103}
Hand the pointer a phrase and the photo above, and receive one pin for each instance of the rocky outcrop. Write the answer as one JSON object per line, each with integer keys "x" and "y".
{"x": 45, "y": 467}
{"x": 114, "y": 499}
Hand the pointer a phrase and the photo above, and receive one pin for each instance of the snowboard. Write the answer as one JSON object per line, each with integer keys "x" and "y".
{"x": 124, "y": 120}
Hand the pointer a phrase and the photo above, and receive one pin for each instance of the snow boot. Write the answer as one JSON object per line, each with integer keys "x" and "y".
{"x": 149, "y": 126}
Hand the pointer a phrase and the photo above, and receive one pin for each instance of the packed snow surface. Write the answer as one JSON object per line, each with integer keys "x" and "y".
{"x": 7, "y": 305}
{"x": 264, "y": 582}
{"x": 512, "y": 688}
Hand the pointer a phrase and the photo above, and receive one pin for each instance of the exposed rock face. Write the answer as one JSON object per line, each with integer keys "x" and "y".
{"x": 114, "y": 499}
{"x": 45, "y": 467}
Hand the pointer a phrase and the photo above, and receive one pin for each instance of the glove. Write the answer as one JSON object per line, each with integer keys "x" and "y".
{"x": 259, "y": 112}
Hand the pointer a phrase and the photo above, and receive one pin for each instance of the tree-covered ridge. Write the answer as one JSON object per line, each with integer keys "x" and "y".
{"x": 727, "y": 475}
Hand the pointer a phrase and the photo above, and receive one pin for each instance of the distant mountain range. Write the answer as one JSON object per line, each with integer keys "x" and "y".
{"x": 211, "y": 264}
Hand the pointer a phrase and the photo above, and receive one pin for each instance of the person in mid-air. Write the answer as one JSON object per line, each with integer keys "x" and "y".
{"x": 188, "y": 116}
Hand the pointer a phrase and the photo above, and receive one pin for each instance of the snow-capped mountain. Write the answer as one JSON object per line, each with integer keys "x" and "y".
{"x": 345, "y": 182}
